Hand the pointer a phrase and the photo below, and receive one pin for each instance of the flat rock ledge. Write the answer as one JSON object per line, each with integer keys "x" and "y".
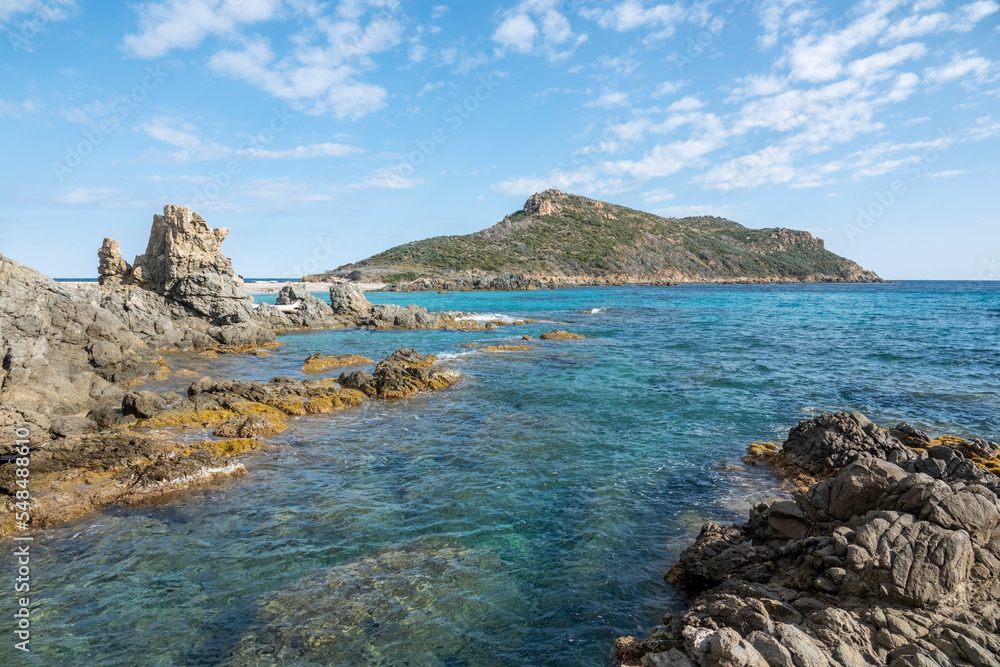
{"x": 887, "y": 553}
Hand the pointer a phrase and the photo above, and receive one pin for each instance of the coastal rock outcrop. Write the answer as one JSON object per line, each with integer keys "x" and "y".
{"x": 892, "y": 558}
{"x": 182, "y": 292}
{"x": 403, "y": 373}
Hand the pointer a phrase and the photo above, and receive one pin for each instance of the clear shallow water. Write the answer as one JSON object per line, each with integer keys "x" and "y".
{"x": 575, "y": 471}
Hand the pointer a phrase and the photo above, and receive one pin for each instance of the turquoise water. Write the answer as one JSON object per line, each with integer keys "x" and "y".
{"x": 570, "y": 474}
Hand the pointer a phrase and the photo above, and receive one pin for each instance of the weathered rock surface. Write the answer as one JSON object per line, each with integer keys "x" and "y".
{"x": 403, "y": 373}
{"x": 58, "y": 355}
{"x": 348, "y": 300}
{"x": 892, "y": 559}
{"x": 112, "y": 269}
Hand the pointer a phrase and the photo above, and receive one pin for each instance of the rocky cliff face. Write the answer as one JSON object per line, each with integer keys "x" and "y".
{"x": 893, "y": 558}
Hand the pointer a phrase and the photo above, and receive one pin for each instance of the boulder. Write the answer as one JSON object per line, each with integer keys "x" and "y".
{"x": 349, "y": 300}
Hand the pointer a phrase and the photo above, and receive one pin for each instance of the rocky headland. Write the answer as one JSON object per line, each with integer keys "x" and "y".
{"x": 563, "y": 240}
{"x": 886, "y": 553}
{"x": 73, "y": 360}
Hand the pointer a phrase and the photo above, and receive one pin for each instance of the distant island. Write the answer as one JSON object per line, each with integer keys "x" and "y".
{"x": 560, "y": 240}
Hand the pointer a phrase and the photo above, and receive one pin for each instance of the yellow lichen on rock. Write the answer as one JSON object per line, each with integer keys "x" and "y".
{"x": 560, "y": 334}
{"x": 317, "y": 363}
{"x": 342, "y": 399}
{"x": 229, "y": 447}
{"x": 187, "y": 419}
{"x": 763, "y": 452}
{"x": 505, "y": 348}
{"x": 290, "y": 406}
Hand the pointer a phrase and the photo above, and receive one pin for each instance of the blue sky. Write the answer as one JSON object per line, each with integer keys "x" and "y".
{"x": 322, "y": 132}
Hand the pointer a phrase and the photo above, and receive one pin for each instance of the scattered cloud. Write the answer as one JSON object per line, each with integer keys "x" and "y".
{"x": 34, "y": 14}
{"x": 16, "y": 109}
{"x": 183, "y": 24}
{"x": 536, "y": 27}
{"x": 102, "y": 198}
{"x": 609, "y": 99}
{"x": 961, "y": 66}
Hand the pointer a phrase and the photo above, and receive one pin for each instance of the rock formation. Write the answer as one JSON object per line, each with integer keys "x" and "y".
{"x": 111, "y": 268}
{"x": 182, "y": 292}
{"x": 893, "y": 558}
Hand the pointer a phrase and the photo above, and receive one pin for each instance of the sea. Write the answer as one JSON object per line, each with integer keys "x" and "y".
{"x": 524, "y": 516}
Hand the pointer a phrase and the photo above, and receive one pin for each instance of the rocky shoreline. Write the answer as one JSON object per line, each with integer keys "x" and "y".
{"x": 73, "y": 360}
{"x": 887, "y": 553}
{"x": 474, "y": 281}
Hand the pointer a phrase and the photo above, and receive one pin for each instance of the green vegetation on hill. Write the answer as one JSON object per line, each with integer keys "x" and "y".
{"x": 568, "y": 235}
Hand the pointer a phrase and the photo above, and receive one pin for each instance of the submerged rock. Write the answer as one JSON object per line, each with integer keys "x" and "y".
{"x": 892, "y": 559}
{"x": 409, "y": 604}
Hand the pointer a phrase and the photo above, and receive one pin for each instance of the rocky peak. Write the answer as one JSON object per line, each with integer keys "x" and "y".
{"x": 544, "y": 203}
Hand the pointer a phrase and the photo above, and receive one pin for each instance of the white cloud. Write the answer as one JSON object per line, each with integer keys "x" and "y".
{"x": 819, "y": 57}
{"x": 16, "y": 109}
{"x": 582, "y": 180}
{"x": 949, "y": 173}
{"x": 688, "y": 103}
{"x": 668, "y": 88}
{"x": 389, "y": 178}
{"x": 632, "y": 14}
{"x": 517, "y": 33}
{"x": 536, "y": 26}
{"x": 314, "y": 75}
{"x": 918, "y": 24}
{"x": 657, "y": 195}
{"x": 179, "y": 178}
{"x": 430, "y": 87}
{"x": 609, "y": 99}
{"x": 876, "y": 66}
{"x": 183, "y": 24}
{"x": 36, "y": 13}
{"x": 960, "y": 67}
{"x": 174, "y": 132}
{"x": 284, "y": 190}
{"x": 782, "y": 17}
{"x": 102, "y": 198}
{"x": 183, "y": 135}
{"x": 438, "y": 11}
